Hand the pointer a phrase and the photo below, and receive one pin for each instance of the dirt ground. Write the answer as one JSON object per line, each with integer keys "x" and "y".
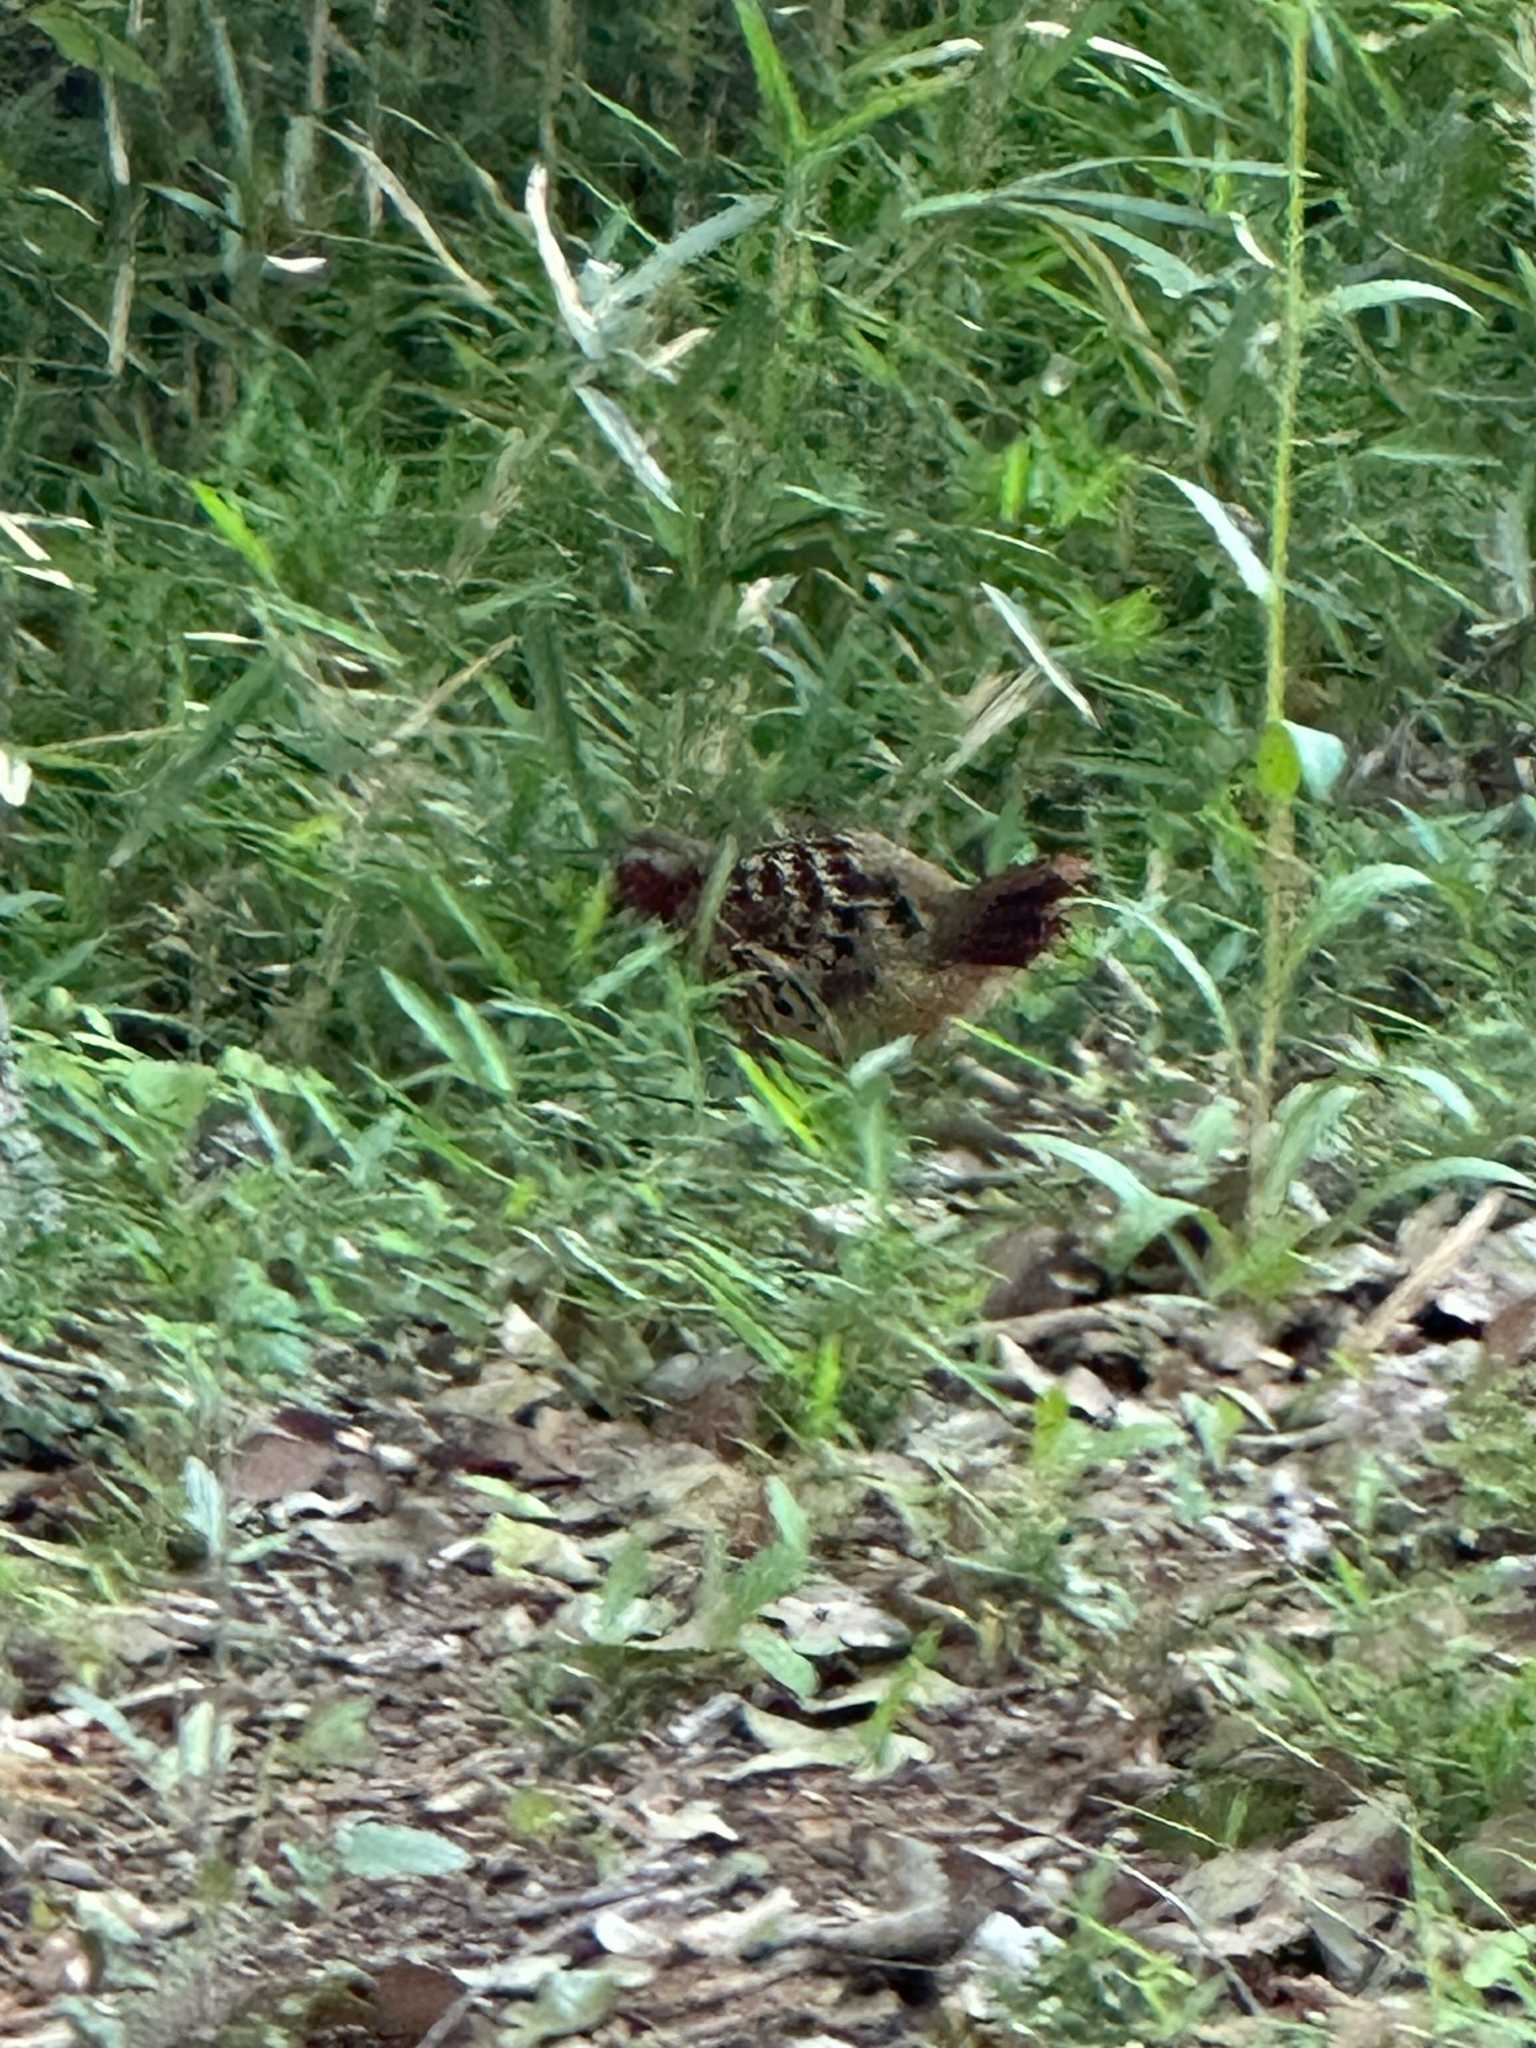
{"x": 488, "y": 1719}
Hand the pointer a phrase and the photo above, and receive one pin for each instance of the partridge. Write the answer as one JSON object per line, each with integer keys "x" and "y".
{"x": 844, "y": 940}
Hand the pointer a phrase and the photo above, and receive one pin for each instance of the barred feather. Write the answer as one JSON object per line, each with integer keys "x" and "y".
{"x": 843, "y": 939}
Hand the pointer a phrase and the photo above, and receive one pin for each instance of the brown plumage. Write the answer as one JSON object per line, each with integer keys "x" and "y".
{"x": 844, "y": 939}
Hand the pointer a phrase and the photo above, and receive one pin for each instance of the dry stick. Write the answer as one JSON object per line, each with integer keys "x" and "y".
{"x": 428, "y": 709}
{"x": 1410, "y": 1294}
{"x": 54, "y": 1368}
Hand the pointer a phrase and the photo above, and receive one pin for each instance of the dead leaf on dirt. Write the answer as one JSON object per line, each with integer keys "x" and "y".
{"x": 929, "y": 1689}
{"x": 769, "y": 1922}
{"x": 1002, "y": 1943}
{"x": 355, "y": 1482}
{"x": 19, "y": 1483}
{"x": 404, "y": 1539}
{"x": 396, "y": 2008}
{"x": 791, "y": 1746}
{"x": 683, "y": 1481}
{"x": 1038, "y": 1267}
{"x": 1511, "y": 1333}
{"x": 1498, "y": 1866}
{"x": 64, "y": 1963}
{"x": 825, "y": 1618}
{"x": 1498, "y": 1273}
{"x": 621, "y": 1936}
{"x": 688, "y": 1375}
{"x": 503, "y": 1391}
{"x": 335, "y": 1732}
{"x": 487, "y": 1446}
{"x": 142, "y": 1638}
{"x": 522, "y": 1547}
{"x": 123, "y": 1919}
{"x": 271, "y": 1465}
{"x": 691, "y": 1823}
{"x": 1019, "y": 1369}
{"x": 921, "y": 1924}
{"x": 409, "y": 1999}
{"x": 572, "y": 2002}
{"x": 525, "y": 1342}
{"x": 1334, "y": 1884}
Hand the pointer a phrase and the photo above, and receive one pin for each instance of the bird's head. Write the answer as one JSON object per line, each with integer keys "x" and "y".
{"x": 660, "y": 874}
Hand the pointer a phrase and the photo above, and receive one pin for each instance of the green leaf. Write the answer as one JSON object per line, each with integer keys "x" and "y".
{"x": 477, "y": 929}
{"x": 205, "y": 1504}
{"x": 874, "y": 1065}
{"x": 668, "y": 262}
{"x": 783, "y": 1664}
{"x": 232, "y": 527}
{"x": 288, "y": 611}
{"x": 912, "y": 51}
{"x": 1203, "y": 980}
{"x": 202, "y": 1743}
{"x": 193, "y": 203}
{"x": 775, "y": 1570}
{"x": 790, "y": 1518}
{"x": 787, "y": 1105}
{"x": 891, "y": 99}
{"x": 1450, "y": 1094}
{"x": 1050, "y": 1431}
{"x": 85, "y": 43}
{"x": 1347, "y": 897}
{"x": 173, "y": 1092}
{"x": 1215, "y": 1424}
{"x": 430, "y": 1021}
{"x": 1426, "y": 1173}
{"x": 372, "y": 1848}
{"x": 824, "y": 1391}
{"x": 624, "y": 1587}
{"x": 510, "y": 1499}
{"x": 335, "y": 1733}
{"x": 1385, "y": 291}
{"x": 568, "y": 2002}
{"x": 490, "y": 1060}
{"x": 603, "y": 986}
{"x": 1321, "y": 756}
{"x": 1144, "y": 1214}
{"x": 211, "y": 742}
{"x": 1502, "y": 1958}
{"x": 629, "y": 444}
{"x": 1175, "y": 278}
{"x": 774, "y": 83}
{"x": 1305, "y": 1119}
{"x": 1277, "y": 765}
{"x": 1022, "y": 627}
{"x": 1236, "y": 544}
{"x": 623, "y": 113}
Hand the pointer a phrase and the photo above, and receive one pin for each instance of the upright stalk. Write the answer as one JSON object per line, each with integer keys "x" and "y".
{"x": 1279, "y": 877}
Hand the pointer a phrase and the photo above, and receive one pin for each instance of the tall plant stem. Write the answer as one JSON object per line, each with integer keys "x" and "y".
{"x": 1279, "y": 878}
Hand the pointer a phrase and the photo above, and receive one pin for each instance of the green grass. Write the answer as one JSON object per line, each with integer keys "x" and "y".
{"x": 357, "y": 611}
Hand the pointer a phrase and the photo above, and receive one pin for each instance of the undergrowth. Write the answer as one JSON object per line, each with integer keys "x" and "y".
{"x": 1015, "y": 441}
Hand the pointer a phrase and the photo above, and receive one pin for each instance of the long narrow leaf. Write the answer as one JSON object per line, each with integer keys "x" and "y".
{"x": 434, "y": 1026}
{"x": 773, "y": 80}
{"x": 1347, "y": 897}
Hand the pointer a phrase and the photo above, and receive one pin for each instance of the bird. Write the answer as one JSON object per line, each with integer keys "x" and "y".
{"x": 844, "y": 940}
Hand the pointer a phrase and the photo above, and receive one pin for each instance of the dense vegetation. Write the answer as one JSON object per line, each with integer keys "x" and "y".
{"x": 362, "y": 626}
{"x": 439, "y": 439}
